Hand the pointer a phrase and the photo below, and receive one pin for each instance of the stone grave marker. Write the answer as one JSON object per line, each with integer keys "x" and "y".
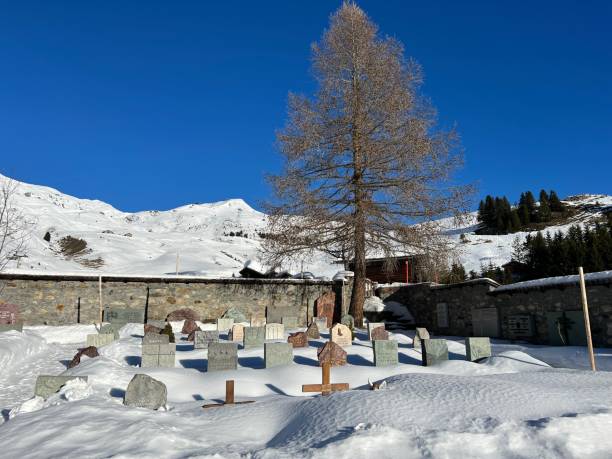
{"x": 202, "y": 339}
{"x": 157, "y": 323}
{"x": 341, "y": 335}
{"x": 379, "y": 334}
{"x": 89, "y": 351}
{"x": 100, "y": 339}
{"x": 325, "y": 306}
{"x": 331, "y": 353}
{"x": 258, "y": 321}
{"x": 275, "y": 331}
{"x": 434, "y": 351}
{"x": 145, "y": 392}
{"x": 348, "y": 320}
{"x": 313, "y": 331}
{"x": 254, "y": 337}
{"x": 321, "y": 324}
{"x": 298, "y": 339}
{"x": 222, "y": 356}
{"x": 224, "y": 324}
{"x": 182, "y": 314}
{"x": 289, "y": 321}
{"x": 237, "y": 333}
{"x": 9, "y": 314}
{"x": 47, "y": 385}
{"x": 385, "y": 353}
{"x": 419, "y": 335}
{"x": 11, "y": 327}
{"x": 157, "y": 351}
{"x": 372, "y": 326}
{"x": 189, "y": 326}
{"x": 112, "y": 329}
{"x": 124, "y": 315}
{"x": 274, "y": 315}
{"x": 477, "y": 348}
{"x": 235, "y": 314}
{"x": 276, "y": 354}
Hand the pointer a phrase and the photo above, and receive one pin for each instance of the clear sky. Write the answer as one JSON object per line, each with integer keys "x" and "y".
{"x": 152, "y": 105}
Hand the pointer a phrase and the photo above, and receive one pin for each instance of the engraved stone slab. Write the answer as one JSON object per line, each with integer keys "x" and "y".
{"x": 254, "y": 337}
{"x": 157, "y": 323}
{"x": 276, "y": 354}
{"x": 419, "y": 335}
{"x": 124, "y": 315}
{"x": 341, "y": 335}
{"x": 325, "y": 306}
{"x": 298, "y": 339}
{"x": 224, "y": 323}
{"x": 372, "y": 326}
{"x": 11, "y": 327}
{"x": 385, "y": 353}
{"x": 202, "y": 339}
{"x": 313, "y": 331}
{"x": 145, "y": 392}
{"x": 321, "y": 324}
{"x": 434, "y": 351}
{"x": 222, "y": 356}
{"x": 236, "y": 333}
{"x": 333, "y": 354}
{"x": 9, "y": 314}
{"x": 379, "y": 334}
{"x": 235, "y": 314}
{"x": 477, "y": 348}
{"x": 110, "y": 329}
{"x": 47, "y": 385}
{"x": 348, "y": 320}
{"x": 275, "y": 331}
{"x": 152, "y": 341}
{"x": 99, "y": 340}
{"x": 258, "y": 321}
{"x": 290, "y": 321}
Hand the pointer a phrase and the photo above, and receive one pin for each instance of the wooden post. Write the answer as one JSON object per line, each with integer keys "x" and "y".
{"x": 177, "y": 263}
{"x": 229, "y": 392}
{"x": 326, "y": 387}
{"x": 100, "y": 295}
{"x": 587, "y": 322}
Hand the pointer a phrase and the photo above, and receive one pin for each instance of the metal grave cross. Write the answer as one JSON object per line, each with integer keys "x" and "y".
{"x": 326, "y": 387}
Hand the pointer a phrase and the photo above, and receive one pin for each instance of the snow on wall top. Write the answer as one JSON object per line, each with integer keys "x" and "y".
{"x": 602, "y": 277}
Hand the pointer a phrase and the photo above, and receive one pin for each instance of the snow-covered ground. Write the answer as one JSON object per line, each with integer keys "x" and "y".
{"x": 211, "y": 240}
{"x": 525, "y": 401}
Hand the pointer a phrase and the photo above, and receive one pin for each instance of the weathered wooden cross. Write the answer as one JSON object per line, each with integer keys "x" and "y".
{"x": 229, "y": 396}
{"x": 326, "y": 387}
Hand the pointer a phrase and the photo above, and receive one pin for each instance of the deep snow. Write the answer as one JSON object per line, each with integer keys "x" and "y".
{"x": 512, "y": 405}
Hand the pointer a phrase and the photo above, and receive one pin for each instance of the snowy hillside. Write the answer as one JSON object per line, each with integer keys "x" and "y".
{"x": 211, "y": 239}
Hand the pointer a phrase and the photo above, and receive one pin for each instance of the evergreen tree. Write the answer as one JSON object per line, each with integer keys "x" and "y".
{"x": 544, "y": 210}
{"x": 531, "y": 206}
{"x": 555, "y": 203}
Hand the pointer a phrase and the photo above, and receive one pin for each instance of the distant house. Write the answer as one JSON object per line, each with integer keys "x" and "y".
{"x": 404, "y": 269}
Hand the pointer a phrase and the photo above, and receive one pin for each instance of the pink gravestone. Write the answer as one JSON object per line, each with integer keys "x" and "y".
{"x": 9, "y": 314}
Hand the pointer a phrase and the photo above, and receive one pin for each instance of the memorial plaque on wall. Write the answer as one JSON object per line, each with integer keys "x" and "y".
{"x": 442, "y": 313}
{"x": 521, "y": 326}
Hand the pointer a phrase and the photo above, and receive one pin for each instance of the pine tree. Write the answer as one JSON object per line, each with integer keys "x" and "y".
{"x": 531, "y": 206}
{"x": 544, "y": 210}
{"x": 555, "y": 203}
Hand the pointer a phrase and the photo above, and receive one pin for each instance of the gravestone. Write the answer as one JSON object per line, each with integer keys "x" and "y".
{"x": 12, "y": 327}
{"x": 202, "y": 339}
{"x": 433, "y": 351}
{"x": 235, "y": 314}
{"x": 331, "y": 353}
{"x": 313, "y": 331}
{"x": 258, "y": 321}
{"x": 289, "y": 321}
{"x": 9, "y": 314}
{"x": 419, "y": 335}
{"x": 298, "y": 339}
{"x": 89, "y": 351}
{"x": 485, "y": 322}
{"x": 254, "y": 337}
{"x": 182, "y": 314}
{"x": 325, "y": 305}
{"x": 379, "y": 334}
{"x": 277, "y": 354}
{"x": 189, "y": 326}
{"x": 150, "y": 328}
{"x": 477, "y": 348}
{"x": 222, "y": 356}
{"x": 341, "y": 335}
{"x": 47, "y": 385}
{"x": 442, "y": 315}
{"x": 385, "y": 353}
{"x": 157, "y": 323}
{"x": 112, "y": 329}
{"x": 157, "y": 351}
{"x": 275, "y": 331}
{"x": 123, "y": 315}
{"x": 145, "y": 392}
{"x": 224, "y": 324}
{"x": 100, "y": 339}
{"x": 274, "y": 315}
{"x": 348, "y": 320}
{"x": 372, "y": 326}
{"x": 321, "y": 324}
{"x": 236, "y": 333}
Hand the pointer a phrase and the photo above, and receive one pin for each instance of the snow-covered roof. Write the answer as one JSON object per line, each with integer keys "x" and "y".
{"x": 602, "y": 277}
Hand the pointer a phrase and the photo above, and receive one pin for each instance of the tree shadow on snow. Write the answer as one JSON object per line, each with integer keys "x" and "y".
{"x": 301, "y": 360}
{"x": 251, "y": 362}
{"x": 194, "y": 364}
{"x": 133, "y": 360}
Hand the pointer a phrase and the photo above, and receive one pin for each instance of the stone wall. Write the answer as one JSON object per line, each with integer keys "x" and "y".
{"x": 58, "y": 299}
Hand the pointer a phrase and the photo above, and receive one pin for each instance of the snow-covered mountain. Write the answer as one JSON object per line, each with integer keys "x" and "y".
{"x": 72, "y": 235}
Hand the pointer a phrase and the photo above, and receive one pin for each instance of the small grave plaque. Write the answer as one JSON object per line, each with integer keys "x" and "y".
{"x": 298, "y": 339}
{"x": 47, "y": 385}
{"x": 521, "y": 326}
{"x": 290, "y": 321}
{"x": 237, "y": 333}
{"x": 331, "y": 353}
{"x": 372, "y": 326}
{"x": 325, "y": 306}
{"x": 11, "y": 327}
{"x": 9, "y": 314}
{"x": 258, "y": 321}
{"x": 254, "y": 337}
{"x": 276, "y": 354}
{"x": 275, "y": 331}
{"x": 321, "y": 324}
{"x": 379, "y": 334}
{"x": 477, "y": 348}
{"x": 124, "y": 315}
{"x": 145, "y": 392}
{"x": 419, "y": 335}
{"x": 313, "y": 331}
{"x": 157, "y": 351}
{"x": 202, "y": 339}
{"x": 99, "y": 340}
{"x": 222, "y": 356}
{"x": 224, "y": 324}
{"x": 341, "y": 335}
{"x": 235, "y": 314}
{"x": 434, "y": 351}
{"x": 385, "y": 353}
{"x": 112, "y": 329}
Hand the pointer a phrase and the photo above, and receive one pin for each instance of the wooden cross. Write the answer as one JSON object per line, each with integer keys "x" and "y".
{"x": 229, "y": 396}
{"x": 326, "y": 387}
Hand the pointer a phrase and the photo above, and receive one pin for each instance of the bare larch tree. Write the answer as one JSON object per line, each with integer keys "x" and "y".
{"x": 366, "y": 171}
{"x": 14, "y": 227}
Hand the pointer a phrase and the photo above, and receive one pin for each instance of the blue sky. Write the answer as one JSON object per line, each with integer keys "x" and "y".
{"x": 152, "y": 105}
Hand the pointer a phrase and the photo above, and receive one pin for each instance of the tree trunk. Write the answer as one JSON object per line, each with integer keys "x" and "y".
{"x": 358, "y": 292}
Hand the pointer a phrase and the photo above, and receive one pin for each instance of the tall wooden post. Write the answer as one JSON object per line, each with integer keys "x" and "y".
{"x": 177, "y": 263}
{"x": 100, "y": 296}
{"x": 587, "y": 322}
